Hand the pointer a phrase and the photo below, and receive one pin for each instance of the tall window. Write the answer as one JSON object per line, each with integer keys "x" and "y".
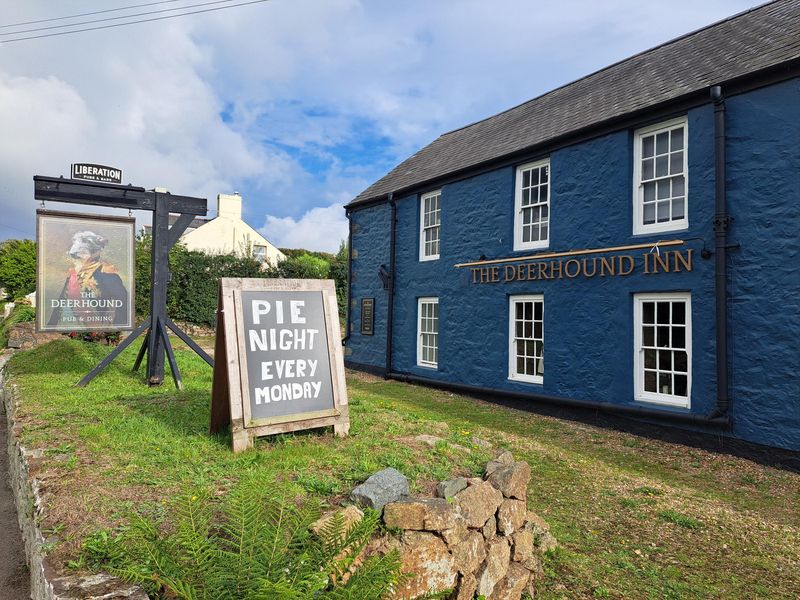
{"x": 428, "y": 332}
{"x": 526, "y": 339}
{"x": 430, "y": 225}
{"x": 663, "y": 345}
{"x": 660, "y": 178}
{"x": 532, "y": 200}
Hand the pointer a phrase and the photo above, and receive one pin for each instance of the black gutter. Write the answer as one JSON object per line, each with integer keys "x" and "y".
{"x": 635, "y": 411}
{"x": 638, "y": 118}
{"x": 722, "y": 222}
{"x": 348, "y": 321}
{"x": 390, "y": 299}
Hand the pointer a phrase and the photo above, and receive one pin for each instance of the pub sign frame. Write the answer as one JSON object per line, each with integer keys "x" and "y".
{"x": 112, "y": 276}
{"x": 233, "y": 401}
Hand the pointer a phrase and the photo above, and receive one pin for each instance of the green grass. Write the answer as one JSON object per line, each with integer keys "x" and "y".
{"x": 636, "y": 518}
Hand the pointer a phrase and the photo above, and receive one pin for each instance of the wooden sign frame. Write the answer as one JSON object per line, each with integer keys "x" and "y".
{"x": 230, "y": 395}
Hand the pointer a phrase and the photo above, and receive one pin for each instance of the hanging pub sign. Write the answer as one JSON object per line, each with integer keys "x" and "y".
{"x": 278, "y": 359}
{"x": 96, "y": 173}
{"x": 84, "y": 272}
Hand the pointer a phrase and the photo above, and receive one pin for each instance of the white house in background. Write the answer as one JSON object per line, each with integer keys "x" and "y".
{"x": 227, "y": 233}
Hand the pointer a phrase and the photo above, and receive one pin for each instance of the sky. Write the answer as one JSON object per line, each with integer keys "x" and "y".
{"x": 298, "y": 105}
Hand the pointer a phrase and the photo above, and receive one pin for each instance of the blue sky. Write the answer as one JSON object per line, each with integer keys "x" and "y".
{"x": 296, "y": 104}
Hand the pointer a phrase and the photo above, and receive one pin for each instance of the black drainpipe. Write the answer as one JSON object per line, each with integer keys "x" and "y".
{"x": 722, "y": 222}
{"x": 349, "y": 273}
{"x": 390, "y": 308}
{"x": 636, "y": 411}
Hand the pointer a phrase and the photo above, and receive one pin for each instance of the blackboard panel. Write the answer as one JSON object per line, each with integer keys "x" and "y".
{"x": 286, "y": 346}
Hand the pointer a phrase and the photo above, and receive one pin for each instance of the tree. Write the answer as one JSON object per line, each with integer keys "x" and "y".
{"x": 18, "y": 267}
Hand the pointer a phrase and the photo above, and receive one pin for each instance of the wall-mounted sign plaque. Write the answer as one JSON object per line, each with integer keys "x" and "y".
{"x": 278, "y": 359}
{"x": 96, "y": 173}
{"x": 84, "y": 272}
{"x": 367, "y": 316}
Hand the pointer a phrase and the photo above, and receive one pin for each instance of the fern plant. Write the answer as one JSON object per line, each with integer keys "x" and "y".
{"x": 256, "y": 546}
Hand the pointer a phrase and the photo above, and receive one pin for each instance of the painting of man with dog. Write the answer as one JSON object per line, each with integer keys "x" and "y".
{"x": 85, "y": 272}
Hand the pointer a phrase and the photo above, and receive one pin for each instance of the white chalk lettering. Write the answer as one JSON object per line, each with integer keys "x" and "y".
{"x": 260, "y": 308}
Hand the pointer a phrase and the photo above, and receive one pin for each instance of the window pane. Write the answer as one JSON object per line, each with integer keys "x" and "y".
{"x": 662, "y": 212}
{"x": 538, "y": 310}
{"x": 543, "y": 193}
{"x": 650, "y": 381}
{"x": 648, "y": 336}
{"x": 679, "y": 312}
{"x": 663, "y": 337}
{"x": 648, "y": 312}
{"x": 519, "y": 308}
{"x": 544, "y": 174}
{"x": 681, "y": 362}
{"x": 676, "y": 163}
{"x": 650, "y": 359}
{"x": 677, "y": 139}
{"x": 649, "y": 214}
{"x": 678, "y": 186}
{"x": 650, "y": 191}
{"x": 665, "y": 360}
{"x": 648, "y": 168}
{"x": 528, "y": 329}
{"x": 543, "y": 232}
{"x": 665, "y": 383}
{"x": 537, "y": 330}
{"x": 663, "y": 189}
{"x": 677, "y": 208}
{"x": 663, "y": 313}
{"x": 526, "y": 197}
{"x": 528, "y": 310}
{"x": 662, "y": 143}
{"x": 662, "y": 166}
{"x": 530, "y": 367}
{"x": 678, "y": 337}
{"x": 681, "y": 385}
{"x": 526, "y": 179}
{"x": 648, "y": 146}
{"x": 520, "y": 365}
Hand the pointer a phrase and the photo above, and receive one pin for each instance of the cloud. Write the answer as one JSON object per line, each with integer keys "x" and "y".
{"x": 322, "y": 228}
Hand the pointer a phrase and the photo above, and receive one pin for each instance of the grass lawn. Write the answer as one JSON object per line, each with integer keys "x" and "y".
{"x": 636, "y": 518}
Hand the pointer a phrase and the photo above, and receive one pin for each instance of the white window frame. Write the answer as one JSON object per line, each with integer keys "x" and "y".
{"x": 513, "y": 375}
{"x": 639, "y": 227}
{"x": 518, "y": 243}
{"x": 422, "y": 228}
{"x": 420, "y": 361}
{"x": 638, "y": 351}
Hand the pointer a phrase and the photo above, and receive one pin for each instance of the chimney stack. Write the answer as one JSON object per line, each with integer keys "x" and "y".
{"x": 229, "y": 206}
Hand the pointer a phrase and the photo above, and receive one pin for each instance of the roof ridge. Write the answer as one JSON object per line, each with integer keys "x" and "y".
{"x": 619, "y": 62}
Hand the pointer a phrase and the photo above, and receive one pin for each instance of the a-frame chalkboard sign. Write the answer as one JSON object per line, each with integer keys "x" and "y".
{"x": 156, "y": 343}
{"x": 279, "y": 364}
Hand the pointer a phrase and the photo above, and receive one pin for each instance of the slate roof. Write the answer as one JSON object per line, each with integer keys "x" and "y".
{"x": 758, "y": 39}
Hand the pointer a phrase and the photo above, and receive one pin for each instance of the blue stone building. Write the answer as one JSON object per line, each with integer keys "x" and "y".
{"x": 628, "y": 242}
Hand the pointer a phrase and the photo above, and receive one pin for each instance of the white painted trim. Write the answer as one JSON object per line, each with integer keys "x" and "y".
{"x": 638, "y": 354}
{"x": 512, "y": 355}
{"x": 420, "y": 302}
{"x": 423, "y": 197}
{"x": 518, "y": 243}
{"x": 640, "y": 228}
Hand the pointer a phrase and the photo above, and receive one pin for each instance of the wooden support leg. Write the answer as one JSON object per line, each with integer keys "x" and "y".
{"x": 173, "y": 365}
{"x": 241, "y": 440}
{"x": 116, "y": 352}
{"x": 341, "y": 430}
{"x": 142, "y": 352}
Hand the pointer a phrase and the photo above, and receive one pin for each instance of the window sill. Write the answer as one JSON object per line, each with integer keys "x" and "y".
{"x": 674, "y": 226}
{"x": 662, "y": 400}
{"x": 538, "y": 246}
{"x": 431, "y": 366}
{"x": 428, "y": 258}
{"x": 523, "y": 379}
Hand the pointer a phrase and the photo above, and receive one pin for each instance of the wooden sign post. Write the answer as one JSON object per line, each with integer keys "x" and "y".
{"x": 278, "y": 361}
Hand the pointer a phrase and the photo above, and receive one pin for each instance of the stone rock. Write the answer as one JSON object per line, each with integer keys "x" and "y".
{"x": 23, "y": 336}
{"x": 512, "y": 480}
{"x": 479, "y": 442}
{"x": 449, "y": 488}
{"x": 534, "y": 565}
{"x": 511, "y": 516}
{"x": 470, "y": 553}
{"x": 537, "y": 523}
{"x": 425, "y": 557}
{"x": 467, "y": 584}
{"x": 522, "y": 548}
{"x": 381, "y": 488}
{"x": 490, "y": 528}
{"x": 428, "y": 514}
{"x": 478, "y": 502}
{"x": 544, "y": 542}
{"x": 429, "y": 440}
{"x": 512, "y": 586}
{"x": 99, "y": 586}
{"x": 456, "y": 534}
{"x": 495, "y": 567}
{"x": 350, "y": 516}
{"x": 503, "y": 457}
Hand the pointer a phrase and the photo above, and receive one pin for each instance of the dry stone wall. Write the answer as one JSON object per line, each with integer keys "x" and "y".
{"x": 477, "y": 537}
